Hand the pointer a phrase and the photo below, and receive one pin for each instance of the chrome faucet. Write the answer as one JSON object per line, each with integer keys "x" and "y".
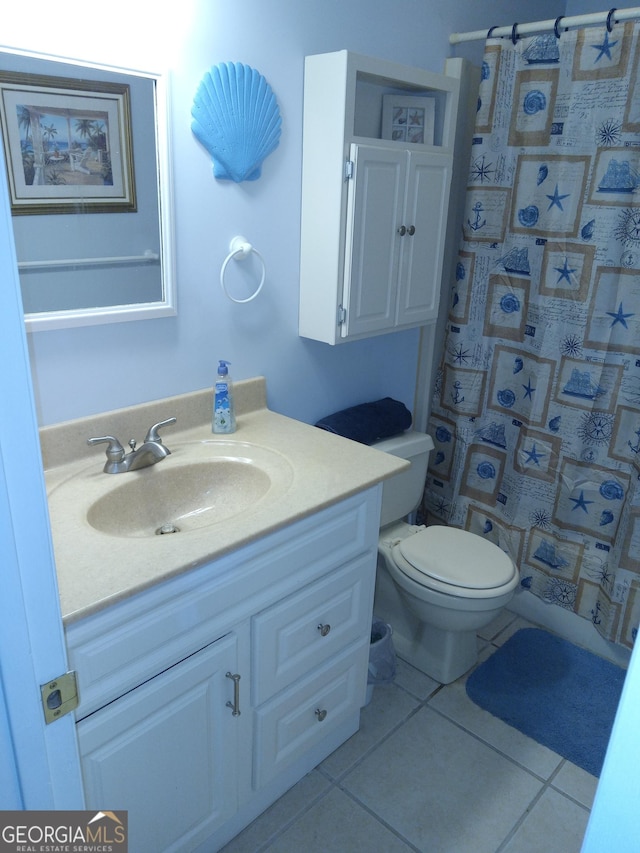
{"x": 152, "y": 450}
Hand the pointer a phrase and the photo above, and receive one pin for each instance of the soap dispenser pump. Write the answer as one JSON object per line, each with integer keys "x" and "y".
{"x": 224, "y": 418}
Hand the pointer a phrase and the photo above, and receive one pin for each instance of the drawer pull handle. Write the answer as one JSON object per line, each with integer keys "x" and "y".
{"x": 324, "y": 629}
{"x": 320, "y": 714}
{"x": 235, "y": 705}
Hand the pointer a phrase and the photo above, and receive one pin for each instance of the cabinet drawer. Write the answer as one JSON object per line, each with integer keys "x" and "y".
{"x": 300, "y": 718}
{"x": 299, "y": 633}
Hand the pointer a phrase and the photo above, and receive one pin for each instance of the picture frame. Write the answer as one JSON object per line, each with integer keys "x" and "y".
{"x": 408, "y": 119}
{"x": 68, "y": 144}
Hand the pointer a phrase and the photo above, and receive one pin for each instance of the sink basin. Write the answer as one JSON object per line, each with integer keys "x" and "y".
{"x": 199, "y": 485}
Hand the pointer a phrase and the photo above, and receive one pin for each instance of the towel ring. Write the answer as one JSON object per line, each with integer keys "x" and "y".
{"x": 556, "y": 29}
{"x": 514, "y": 35}
{"x": 239, "y": 250}
{"x": 609, "y": 19}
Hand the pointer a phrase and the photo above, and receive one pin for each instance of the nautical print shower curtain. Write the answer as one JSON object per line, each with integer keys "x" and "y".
{"x": 536, "y": 412}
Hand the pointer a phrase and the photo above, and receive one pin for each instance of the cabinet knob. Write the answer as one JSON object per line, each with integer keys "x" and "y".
{"x": 402, "y": 230}
{"x": 411, "y": 230}
{"x": 324, "y": 629}
{"x": 320, "y": 714}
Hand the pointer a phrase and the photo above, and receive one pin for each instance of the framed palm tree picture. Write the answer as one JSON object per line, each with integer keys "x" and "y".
{"x": 68, "y": 144}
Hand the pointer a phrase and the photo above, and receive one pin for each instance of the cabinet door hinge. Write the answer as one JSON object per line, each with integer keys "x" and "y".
{"x": 342, "y": 315}
{"x": 348, "y": 170}
{"x": 59, "y": 696}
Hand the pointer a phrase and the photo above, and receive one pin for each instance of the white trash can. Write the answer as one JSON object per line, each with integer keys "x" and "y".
{"x": 382, "y": 657}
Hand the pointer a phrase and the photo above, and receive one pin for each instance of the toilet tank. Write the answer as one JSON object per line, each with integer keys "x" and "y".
{"x": 402, "y": 493}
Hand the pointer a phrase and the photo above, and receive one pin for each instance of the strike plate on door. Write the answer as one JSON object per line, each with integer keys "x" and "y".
{"x": 59, "y": 696}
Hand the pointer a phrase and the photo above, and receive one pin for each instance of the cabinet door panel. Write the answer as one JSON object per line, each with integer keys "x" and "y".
{"x": 428, "y": 181}
{"x": 167, "y": 751}
{"x": 371, "y": 250}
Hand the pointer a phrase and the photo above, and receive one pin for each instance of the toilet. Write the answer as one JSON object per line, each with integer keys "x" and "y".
{"x": 436, "y": 586}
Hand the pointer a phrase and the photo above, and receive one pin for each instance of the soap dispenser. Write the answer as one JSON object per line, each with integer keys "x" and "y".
{"x": 224, "y": 418}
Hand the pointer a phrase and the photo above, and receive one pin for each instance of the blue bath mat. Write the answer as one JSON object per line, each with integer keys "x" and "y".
{"x": 556, "y": 693}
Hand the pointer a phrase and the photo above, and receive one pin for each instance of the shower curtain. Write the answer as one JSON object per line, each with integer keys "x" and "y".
{"x": 536, "y": 410}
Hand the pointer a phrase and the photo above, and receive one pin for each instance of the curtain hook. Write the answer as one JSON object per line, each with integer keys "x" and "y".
{"x": 556, "y": 29}
{"x": 609, "y": 19}
{"x": 514, "y": 35}
{"x": 491, "y": 30}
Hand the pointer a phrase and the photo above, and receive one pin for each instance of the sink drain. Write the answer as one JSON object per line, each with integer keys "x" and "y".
{"x": 167, "y": 528}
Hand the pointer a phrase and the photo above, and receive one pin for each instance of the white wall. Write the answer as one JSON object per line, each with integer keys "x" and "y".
{"x": 81, "y": 371}
{"x": 587, "y": 7}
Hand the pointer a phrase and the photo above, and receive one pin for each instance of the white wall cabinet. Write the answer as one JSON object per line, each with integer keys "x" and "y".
{"x": 396, "y": 219}
{"x": 374, "y": 210}
{"x": 157, "y": 729}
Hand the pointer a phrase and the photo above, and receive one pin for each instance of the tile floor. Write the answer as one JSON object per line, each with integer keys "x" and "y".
{"x": 429, "y": 771}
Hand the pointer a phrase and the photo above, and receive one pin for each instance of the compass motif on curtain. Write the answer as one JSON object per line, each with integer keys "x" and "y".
{"x": 560, "y": 592}
{"x": 608, "y": 134}
{"x": 481, "y": 171}
{"x": 572, "y": 346}
{"x": 540, "y": 518}
{"x": 628, "y": 228}
{"x": 596, "y": 428}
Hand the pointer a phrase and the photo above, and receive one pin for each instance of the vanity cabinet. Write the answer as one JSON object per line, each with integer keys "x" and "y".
{"x": 374, "y": 209}
{"x": 206, "y": 697}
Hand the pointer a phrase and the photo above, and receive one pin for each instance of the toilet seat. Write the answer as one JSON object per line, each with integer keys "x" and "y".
{"x": 455, "y": 562}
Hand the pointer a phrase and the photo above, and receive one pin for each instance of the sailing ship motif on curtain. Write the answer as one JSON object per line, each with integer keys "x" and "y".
{"x": 536, "y": 412}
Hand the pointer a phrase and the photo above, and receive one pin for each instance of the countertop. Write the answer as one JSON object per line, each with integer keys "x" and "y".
{"x": 96, "y": 569}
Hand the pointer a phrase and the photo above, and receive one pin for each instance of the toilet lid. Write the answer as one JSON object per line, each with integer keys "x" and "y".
{"x": 458, "y": 558}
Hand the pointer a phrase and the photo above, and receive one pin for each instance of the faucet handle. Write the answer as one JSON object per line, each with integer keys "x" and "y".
{"x": 153, "y": 435}
{"x": 115, "y": 451}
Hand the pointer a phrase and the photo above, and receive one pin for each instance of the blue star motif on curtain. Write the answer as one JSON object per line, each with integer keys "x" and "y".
{"x": 528, "y": 390}
{"x": 556, "y": 199}
{"x": 619, "y": 316}
{"x": 533, "y": 456}
{"x": 565, "y": 271}
{"x": 580, "y": 502}
{"x": 604, "y": 48}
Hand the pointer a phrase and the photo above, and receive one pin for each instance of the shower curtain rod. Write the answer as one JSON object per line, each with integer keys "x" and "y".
{"x": 561, "y": 23}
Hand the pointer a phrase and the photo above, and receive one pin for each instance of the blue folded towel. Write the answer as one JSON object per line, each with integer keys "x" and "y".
{"x": 369, "y": 422}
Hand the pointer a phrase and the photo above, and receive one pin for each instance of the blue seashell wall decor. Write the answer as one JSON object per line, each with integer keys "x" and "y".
{"x": 236, "y": 118}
